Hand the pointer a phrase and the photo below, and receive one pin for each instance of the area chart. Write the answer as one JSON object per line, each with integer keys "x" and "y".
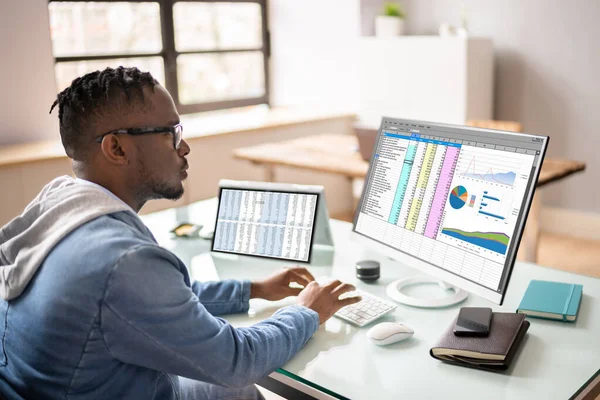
{"x": 494, "y": 241}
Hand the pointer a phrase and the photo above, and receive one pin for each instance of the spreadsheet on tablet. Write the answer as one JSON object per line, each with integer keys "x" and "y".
{"x": 266, "y": 223}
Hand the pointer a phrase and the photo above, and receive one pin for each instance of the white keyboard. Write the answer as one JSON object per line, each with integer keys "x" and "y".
{"x": 364, "y": 312}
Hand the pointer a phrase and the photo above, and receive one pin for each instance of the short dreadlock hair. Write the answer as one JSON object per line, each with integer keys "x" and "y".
{"x": 94, "y": 96}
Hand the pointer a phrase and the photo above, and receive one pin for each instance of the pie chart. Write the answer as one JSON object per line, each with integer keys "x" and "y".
{"x": 458, "y": 197}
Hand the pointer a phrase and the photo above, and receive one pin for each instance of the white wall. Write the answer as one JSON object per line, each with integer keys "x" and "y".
{"x": 547, "y": 67}
{"x": 314, "y": 52}
{"x": 26, "y": 73}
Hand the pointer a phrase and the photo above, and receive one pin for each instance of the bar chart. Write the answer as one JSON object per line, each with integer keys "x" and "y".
{"x": 495, "y": 206}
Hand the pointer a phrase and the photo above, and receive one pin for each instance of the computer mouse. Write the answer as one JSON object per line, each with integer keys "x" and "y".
{"x": 389, "y": 332}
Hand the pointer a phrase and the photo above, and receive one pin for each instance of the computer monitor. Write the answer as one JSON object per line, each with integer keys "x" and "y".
{"x": 274, "y": 220}
{"x": 451, "y": 201}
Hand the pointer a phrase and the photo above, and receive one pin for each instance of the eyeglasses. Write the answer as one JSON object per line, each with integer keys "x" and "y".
{"x": 176, "y": 131}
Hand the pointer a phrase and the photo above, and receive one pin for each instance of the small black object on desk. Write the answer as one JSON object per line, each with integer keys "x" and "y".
{"x": 367, "y": 270}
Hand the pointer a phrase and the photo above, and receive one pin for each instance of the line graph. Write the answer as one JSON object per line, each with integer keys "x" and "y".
{"x": 495, "y": 167}
{"x": 503, "y": 178}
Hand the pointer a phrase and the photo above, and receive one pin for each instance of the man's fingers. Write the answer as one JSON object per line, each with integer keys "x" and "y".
{"x": 302, "y": 272}
{"x": 350, "y": 300}
{"x": 300, "y": 279}
{"x": 333, "y": 284}
{"x": 343, "y": 288}
{"x": 306, "y": 273}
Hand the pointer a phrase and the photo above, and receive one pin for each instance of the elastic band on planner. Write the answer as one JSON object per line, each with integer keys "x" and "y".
{"x": 568, "y": 302}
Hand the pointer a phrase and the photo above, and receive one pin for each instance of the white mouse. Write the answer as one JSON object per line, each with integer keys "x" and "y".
{"x": 389, "y": 332}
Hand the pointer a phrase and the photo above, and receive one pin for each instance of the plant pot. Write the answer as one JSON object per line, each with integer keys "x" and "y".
{"x": 388, "y": 26}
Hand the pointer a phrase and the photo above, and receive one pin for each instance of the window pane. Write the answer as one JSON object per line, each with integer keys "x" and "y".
{"x": 67, "y": 71}
{"x": 80, "y": 29}
{"x": 210, "y": 26}
{"x": 216, "y": 77}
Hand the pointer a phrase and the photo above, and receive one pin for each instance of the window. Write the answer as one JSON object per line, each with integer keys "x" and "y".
{"x": 209, "y": 55}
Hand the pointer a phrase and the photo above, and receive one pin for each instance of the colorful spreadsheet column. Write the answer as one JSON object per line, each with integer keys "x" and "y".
{"x": 411, "y": 187}
{"x": 434, "y": 178}
{"x": 441, "y": 192}
{"x": 403, "y": 182}
{"x": 415, "y": 208}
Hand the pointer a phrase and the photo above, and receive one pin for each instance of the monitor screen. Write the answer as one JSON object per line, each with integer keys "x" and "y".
{"x": 453, "y": 197}
{"x": 265, "y": 223}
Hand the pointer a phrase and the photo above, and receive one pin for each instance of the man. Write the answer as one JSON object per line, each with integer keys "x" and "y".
{"x": 93, "y": 307}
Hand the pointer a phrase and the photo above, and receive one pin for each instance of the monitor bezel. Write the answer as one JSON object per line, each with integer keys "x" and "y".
{"x": 431, "y": 269}
{"x": 276, "y": 188}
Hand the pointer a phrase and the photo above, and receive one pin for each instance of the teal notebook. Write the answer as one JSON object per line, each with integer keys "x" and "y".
{"x": 552, "y": 300}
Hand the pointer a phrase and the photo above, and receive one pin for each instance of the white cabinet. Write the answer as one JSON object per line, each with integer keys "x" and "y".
{"x": 425, "y": 78}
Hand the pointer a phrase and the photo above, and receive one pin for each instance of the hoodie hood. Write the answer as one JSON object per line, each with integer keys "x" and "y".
{"x": 61, "y": 207}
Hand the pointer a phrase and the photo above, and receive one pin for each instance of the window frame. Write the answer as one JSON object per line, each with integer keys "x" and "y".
{"x": 169, "y": 53}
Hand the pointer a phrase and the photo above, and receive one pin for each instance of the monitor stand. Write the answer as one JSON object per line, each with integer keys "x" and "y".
{"x": 394, "y": 290}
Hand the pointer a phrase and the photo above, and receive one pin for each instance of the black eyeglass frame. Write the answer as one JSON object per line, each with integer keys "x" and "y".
{"x": 176, "y": 132}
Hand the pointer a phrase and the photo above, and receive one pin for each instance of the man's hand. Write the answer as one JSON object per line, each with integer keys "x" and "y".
{"x": 277, "y": 286}
{"x": 325, "y": 299}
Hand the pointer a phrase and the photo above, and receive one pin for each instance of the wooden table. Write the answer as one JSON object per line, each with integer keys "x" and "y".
{"x": 338, "y": 154}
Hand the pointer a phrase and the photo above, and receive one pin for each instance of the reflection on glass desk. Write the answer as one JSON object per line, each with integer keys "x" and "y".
{"x": 555, "y": 359}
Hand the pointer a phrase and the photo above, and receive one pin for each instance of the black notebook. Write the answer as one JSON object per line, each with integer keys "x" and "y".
{"x": 494, "y": 352}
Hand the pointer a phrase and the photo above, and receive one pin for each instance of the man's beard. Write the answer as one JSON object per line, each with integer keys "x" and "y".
{"x": 154, "y": 189}
{"x": 161, "y": 190}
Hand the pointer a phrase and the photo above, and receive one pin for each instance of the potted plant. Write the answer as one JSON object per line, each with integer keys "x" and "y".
{"x": 391, "y": 23}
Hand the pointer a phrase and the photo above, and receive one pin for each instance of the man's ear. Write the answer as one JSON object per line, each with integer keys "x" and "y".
{"x": 115, "y": 149}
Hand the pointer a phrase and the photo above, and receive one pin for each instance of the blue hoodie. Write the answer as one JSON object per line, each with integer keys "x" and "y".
{"x": 101, "y": 311}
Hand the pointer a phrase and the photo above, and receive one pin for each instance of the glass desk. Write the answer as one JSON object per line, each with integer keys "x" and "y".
{"x": 555, "y": 359}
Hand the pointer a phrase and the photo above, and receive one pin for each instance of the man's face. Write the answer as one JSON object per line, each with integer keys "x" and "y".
{"x": 158, "y": 169}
